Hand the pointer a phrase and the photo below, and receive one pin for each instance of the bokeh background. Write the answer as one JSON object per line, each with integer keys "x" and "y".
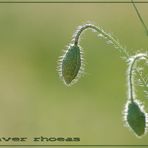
{"x": 35, "y": 102}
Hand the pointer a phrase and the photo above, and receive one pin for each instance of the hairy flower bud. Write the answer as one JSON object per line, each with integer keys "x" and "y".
{"x": 136, "y": 118}
{"x": 71, "y": 63}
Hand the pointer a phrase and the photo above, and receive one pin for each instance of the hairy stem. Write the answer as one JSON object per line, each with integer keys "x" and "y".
{"x": 116, "y": 44}
{"x": 132, "y": 63}
{"x": 140, "y": 17}
{"x": 104, "y": 34}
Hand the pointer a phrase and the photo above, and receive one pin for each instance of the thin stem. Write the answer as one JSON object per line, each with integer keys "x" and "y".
{"x": 132, "y": 63}
{"x": 117, "y": 45}
{"x": 140, "y": 17}
{"x": 103, "y": 34}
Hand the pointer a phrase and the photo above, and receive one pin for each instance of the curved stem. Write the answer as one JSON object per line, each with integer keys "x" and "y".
{"x": 132, "y": 63}
{"x": 103, "y": 34}
{"x": 116, "y": 43}
{"x": 140, "y": 17}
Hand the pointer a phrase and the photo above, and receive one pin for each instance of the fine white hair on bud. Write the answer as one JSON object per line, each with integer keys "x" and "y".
{"x": 71, "y": 67}
{"x": 71, "y": 64}
{"x": 134, "y": 114}
{"x": 135, "y": 118}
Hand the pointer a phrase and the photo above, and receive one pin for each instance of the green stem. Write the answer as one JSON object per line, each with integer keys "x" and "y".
{"x": 132, "y": 63}
{"x": 121, "y": 49}
{"x": 103, "y": 34}
{"x": 140, "y": 17}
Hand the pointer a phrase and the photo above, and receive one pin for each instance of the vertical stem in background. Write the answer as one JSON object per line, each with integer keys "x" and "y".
{"x": 140, "y": 17}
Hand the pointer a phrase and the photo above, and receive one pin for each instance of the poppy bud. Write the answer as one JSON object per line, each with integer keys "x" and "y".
{"x": 71, "y": 64}
{"x": 136, "y": 118}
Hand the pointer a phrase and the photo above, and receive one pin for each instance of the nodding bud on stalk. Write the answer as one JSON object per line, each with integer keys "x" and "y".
{"x": 71, "y": 67}
{"x": 71, "y": 64}
{"x": 135, "y": 116}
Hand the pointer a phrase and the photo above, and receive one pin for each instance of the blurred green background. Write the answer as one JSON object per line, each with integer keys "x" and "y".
{"x": 35, "y": 102}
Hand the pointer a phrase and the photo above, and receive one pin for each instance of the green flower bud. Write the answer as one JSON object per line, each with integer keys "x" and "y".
{"x": 136, "y": 119}
{"x": 71, "y": 64}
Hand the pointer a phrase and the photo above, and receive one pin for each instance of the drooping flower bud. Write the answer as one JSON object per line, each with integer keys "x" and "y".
{"x": 70, "y": 64}
{"x": 136, "y": 118}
